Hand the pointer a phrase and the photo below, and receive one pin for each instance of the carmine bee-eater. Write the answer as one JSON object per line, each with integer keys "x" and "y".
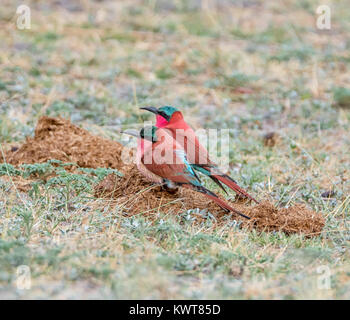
{"x": 170, "y": 118}
{"x": 166, "y": 160}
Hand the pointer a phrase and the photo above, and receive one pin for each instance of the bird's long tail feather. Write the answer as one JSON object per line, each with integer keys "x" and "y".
{"x": 218, "y": 177}
{"x": 218, "y": 183}
{"x": 234, "y": 186}
{"x": 215, "y": 198}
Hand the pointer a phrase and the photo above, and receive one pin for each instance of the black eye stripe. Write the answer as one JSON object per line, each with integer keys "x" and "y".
{"x": 164, "y": 115}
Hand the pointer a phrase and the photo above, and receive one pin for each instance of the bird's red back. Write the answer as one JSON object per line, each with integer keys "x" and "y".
{"x": 187, "y": 138}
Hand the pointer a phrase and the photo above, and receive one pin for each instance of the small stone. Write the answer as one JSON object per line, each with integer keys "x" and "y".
{"x": 328, "y": 194}
{"x": 270, "y": 139}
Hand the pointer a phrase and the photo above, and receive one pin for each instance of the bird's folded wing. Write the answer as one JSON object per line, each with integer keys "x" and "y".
{"x": 188, "y": 140}
{"x": 180, "y": 171}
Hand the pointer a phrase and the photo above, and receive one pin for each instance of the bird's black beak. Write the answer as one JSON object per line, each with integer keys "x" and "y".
{"x": 151, "y": 109}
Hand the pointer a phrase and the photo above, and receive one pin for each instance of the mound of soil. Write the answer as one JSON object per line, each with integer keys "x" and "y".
{"x": 295, "y": 219}
{"x": 59, "y": 139}
{"x": 138, "y": 196}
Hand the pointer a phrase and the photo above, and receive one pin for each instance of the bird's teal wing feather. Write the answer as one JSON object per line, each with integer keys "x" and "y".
{"x": 188, "y": 171}
{"x": 206, "y": 172}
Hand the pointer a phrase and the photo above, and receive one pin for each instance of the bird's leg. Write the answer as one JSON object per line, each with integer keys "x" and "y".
{"x": 169, "y": 186}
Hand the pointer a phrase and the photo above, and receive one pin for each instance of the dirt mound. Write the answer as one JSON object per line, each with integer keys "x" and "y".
{"x": 295, "y": 219}
{"x": 59, "y": 139}
{"x": 138, "y": 196}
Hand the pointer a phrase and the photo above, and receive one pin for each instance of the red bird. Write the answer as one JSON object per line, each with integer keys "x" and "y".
{"x": 162, "y": 159}
{"x": 170, "y": 118}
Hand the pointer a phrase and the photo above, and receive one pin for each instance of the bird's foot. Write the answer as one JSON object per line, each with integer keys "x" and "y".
{"x": 169, "y": 186}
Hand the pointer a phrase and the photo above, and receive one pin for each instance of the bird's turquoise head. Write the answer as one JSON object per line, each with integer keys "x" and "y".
{"x": 149, "y": 133}
{"x": 167, "y": 112}
{"x": 163, "y": 114}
